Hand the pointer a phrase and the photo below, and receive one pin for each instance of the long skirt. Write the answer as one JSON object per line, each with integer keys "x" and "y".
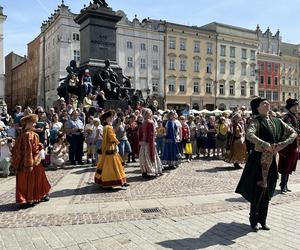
{"x": 171, "y": 153}
{"x": 288, "y": 158}
{"x": 252, "y": 174}
{"x": 237, "y": 153}
{"x": 31, "y": 186}
{"x": 148, "y": 166}
{"x": 111, "y": 173}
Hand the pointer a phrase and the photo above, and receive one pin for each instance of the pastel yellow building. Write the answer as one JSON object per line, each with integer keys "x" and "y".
{"x": 289, "y": 71}
{"x": 189, "y": 67}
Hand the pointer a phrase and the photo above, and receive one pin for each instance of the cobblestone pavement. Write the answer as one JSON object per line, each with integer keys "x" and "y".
{"x": 226, "y": 230}
{"x": 183, "y": 205}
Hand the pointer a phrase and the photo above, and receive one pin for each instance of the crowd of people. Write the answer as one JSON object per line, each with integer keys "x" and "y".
{"x": 32, "y": 140}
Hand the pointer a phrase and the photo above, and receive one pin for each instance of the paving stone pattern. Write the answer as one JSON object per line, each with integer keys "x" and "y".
{"x": 194, "y": 207}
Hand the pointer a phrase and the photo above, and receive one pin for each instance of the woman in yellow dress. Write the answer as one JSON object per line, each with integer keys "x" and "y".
{"x": 110, "y": 169}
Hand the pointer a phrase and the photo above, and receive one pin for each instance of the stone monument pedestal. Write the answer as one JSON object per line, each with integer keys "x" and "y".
{"x": 98, "y": 39}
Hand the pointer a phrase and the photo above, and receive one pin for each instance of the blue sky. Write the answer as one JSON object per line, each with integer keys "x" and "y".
{"x": 25, "y": 16}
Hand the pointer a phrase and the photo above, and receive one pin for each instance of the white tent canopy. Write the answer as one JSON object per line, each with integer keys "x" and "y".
{"x": 217, "y": 112}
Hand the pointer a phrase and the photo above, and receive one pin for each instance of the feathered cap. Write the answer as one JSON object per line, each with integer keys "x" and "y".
{"x": 33, "y": 118}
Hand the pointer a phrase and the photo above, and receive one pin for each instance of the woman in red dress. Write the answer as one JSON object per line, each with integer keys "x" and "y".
{"x": 32, "y": 185}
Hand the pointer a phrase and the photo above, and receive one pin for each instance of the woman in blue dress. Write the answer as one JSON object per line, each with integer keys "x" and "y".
{"x": 171, "y": 154}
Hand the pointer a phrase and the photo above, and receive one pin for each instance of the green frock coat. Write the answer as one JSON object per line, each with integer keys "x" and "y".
{"x": 261, "y": 134}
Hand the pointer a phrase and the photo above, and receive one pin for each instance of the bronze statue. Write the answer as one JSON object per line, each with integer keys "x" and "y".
{"x": 127, "y": 82}
{"x": 109, "y": 82}
{"x": 100, "y": 3}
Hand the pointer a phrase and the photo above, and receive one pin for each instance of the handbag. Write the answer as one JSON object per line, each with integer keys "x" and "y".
{"x": 188, "y": 148}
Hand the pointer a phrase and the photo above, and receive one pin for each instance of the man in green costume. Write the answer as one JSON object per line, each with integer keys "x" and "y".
{"x": 257, "y": 185}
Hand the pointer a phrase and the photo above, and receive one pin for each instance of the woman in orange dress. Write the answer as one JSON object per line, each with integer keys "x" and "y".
{"x": 32, "y": 185}
{"x": 110, "y": 169}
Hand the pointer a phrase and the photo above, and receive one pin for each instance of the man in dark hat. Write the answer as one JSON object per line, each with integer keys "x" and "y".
{"x": 288, "y": 157}
{"x": 257, "y": 185}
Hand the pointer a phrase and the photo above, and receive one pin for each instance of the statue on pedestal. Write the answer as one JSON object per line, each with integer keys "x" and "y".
{"x": 127, "y": 82}
{"x": 100, "y": 3}
{"x": 109, "y": 83}
{"x": 70, "y": 84}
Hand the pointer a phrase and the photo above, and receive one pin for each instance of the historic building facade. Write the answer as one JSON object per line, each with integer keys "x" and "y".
{"x": 289, "y": 71}
{"x": 268, "y": 68}
{"x": 140, "y": 53}
{"x": 59, "y": 44}
{"x": 236, "y": 62}
{"x": 2, "y": 20}
{"x": 189, "y": 66}
{"x": 22, "y": 77}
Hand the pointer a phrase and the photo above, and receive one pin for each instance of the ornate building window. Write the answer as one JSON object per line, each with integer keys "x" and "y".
{"x": 232, "y": 52}
{"x": 269, "y": 80}
{"x": 182, "y": 83}
{"x": 221, "y": 89}
{"x": 129, "y": 62}
{"x": 231, "y": 89}
{"x": 155, "y": 64}
{"x": 244, "y": 53}
{"x": 143, "y": 46}
{"x": 261, "y": 93}
{"x": 143, "y": 63}
{"x": 261, "y": 68}
{"x": 222, "y": 67}
{"x": 172, "y": 64}
{"x": 269, "y": 95}
{"x": 76, "y": 54}
{"x": 172, "y": 43}
{"x": 129, "y": 45}
{"x": 252, "y": 90}
{"x": 208, "y": 88}
{"x": 76, "y": 37}
{"x": 209, "y": 48}
{"x": 155, "y": 84}
{"x": 196, "y": 66}
{"x": 196, "y": 87}
{"x": 275, "y": 96}
{"x": 208, "y": 68}
{"x": 197, "y": 47}
{"x": 182, "y": 44}
{"x": 276, "y": 69}
{"x": 155, "y": 48}
{"x": 171, "y": 84}
{"x": 269, "y": 67}
{"x": 243, "y": 90}
{"x": 182, "y": 65}
{"x": 223, "y": 50}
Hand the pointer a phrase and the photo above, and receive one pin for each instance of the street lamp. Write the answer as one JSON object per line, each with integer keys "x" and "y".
{"x": 215, "y": 92}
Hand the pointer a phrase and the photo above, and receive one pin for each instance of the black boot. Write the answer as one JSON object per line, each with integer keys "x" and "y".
{"x": 263, "y": 212}
{"x": 253, "y": 217}
{"x": 237, "y": 166}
